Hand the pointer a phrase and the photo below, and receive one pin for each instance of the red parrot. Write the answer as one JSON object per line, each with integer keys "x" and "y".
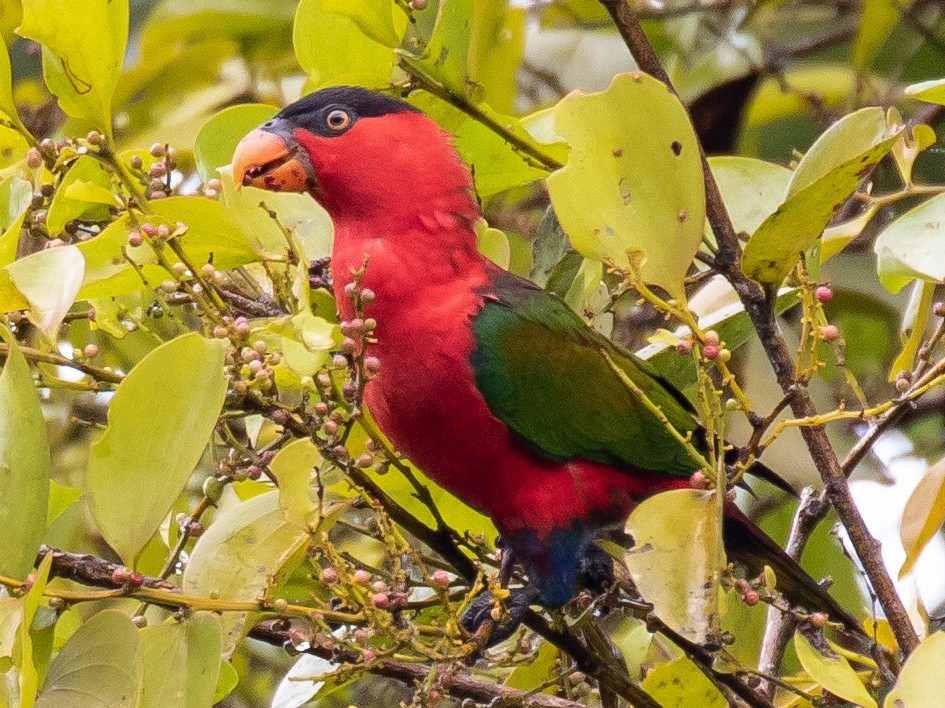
{"x": 491, "y": 385}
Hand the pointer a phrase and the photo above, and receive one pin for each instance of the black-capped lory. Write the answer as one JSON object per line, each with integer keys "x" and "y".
{"x": 493, "y": 386}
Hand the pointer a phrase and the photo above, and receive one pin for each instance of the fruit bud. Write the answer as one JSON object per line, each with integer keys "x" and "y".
{"x": 711, "y": 337}
{"x": 34, "y": 158}
{"x": 440, "y": 580}
{"x": 683, "y": 346}
{"x": 823, "y": 294}
{"x": 829, "y": 333}
{"x": 380, "y": 599}
{"x": 329, "y": 575}
{"x": 710, "y": 351}
{"x": 361, "y": 576}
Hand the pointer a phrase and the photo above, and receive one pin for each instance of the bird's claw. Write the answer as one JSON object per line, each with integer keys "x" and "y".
{"x": 478, "y": 620}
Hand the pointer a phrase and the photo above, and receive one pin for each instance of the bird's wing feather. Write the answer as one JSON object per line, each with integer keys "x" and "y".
{"x": 547, "y": 375}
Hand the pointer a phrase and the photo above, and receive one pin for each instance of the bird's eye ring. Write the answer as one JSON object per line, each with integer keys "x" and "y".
{"x": 338, "y": 119}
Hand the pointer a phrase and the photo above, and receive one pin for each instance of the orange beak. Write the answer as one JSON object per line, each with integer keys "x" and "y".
{"x": 272, "y": 161}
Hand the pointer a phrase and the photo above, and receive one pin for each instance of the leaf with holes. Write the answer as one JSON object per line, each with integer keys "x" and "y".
{"x": 633, "y": 182}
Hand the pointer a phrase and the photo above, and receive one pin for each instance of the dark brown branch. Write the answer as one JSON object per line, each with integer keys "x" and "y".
{"x": 457, "y": 685}
{"x": 98, "y": 572}
{"x": 759, "y": 306}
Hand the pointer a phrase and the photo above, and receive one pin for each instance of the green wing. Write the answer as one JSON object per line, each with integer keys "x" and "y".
{"x": 543, "y": 372}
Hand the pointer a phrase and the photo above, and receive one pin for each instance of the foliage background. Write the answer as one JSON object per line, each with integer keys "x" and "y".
{"x": 762, "y": 80}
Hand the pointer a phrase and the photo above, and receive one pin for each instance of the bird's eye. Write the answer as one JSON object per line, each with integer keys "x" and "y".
{"x": 338, "y": 119}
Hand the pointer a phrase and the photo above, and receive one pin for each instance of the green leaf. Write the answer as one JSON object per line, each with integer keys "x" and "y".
{"x": 634, "y": 179}
{"x": 917, "y": 685}
{"x": 211, "y": 231}
{"x": 50, "y": 281}
{"x": 82, "y": 52}
{"x": 239, "y": 554}
{"x": 169, "y": 401}
{"x": 751, "y": 189}
{"x": 350, "y": 57}
{"x": 24, "y": 465}
{"x": 446, "y": 56}
{"x": 383, "y": 21}
{"x": 68, "y": 204}
{"x": 834, "y": 673}
{"x": 677, "y": 558}
{"x": 293, "y": 466}
{"x": 494, "y": 244}
{"x": 681, "y": 684}
{"x": 877, "y": 20}
{"x": 930, "y": 91}
{"x": 101, "y": 662}
{"x": 227, "y": 681}
{"x": 824, "y": 179}
{"x": 299, "y": 213}
{"x": 181, "y": 662}
{"x": 910, "y": 247}
{"x": 218, "y": 137}
{"x": 923, "y": 515}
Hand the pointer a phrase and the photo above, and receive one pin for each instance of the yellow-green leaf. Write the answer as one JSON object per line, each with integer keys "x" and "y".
{"x": 681, "y": 684}
{"x": 15, "y": 196}
{"x": 169, "y": 401}
{"x": 677, "y": 558}
{"x": 910, "y": 247}
{"x": 931, "y": 91}
{"x": 82, "y": 52}
{"x": 917, "y": 685}
{"x": 923, "y": 515}
{"x": 68, "y": 204}
{"x": 834, "y": 673}
{"x": 50, "y": 281}
{"x": 384, "y": 21}
{"x": 181, "y": 662}
{"x": 751, "y": 189}
{"x": 293, "y": 467}
{"x": 247, "y": 547}
{"x": 218, "y": 137}
{"x": 633, "y": 181}
{"x": 101, "y": 662}
{"x": 7, "y": 104}
{"x": 915, "y": 316}
{"x": 24, "y": 464}
{"x": 824, "y": 179}
{"x": 349, "y": 57}
{"x": 877, "y": 20}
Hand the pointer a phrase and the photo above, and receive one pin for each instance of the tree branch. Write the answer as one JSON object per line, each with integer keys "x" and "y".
{"x": 758, "y": 305}
{"x": 458, "y": 685}
{"x": 98, "y": 572}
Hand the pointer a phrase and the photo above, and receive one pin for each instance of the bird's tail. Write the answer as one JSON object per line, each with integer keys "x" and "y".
{"x": 748, "y": 545}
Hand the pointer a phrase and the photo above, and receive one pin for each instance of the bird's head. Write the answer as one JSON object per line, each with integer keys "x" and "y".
{"x": 359, "y": 153}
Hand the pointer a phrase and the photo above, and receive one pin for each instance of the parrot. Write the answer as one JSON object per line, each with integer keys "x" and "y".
{"x": 491, "y": 385}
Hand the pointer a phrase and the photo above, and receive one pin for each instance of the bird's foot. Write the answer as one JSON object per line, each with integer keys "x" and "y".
{"x": 479, "y": 619}
{"x": 595, "y": 570}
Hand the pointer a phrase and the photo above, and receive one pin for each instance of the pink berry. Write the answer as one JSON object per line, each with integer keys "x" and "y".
{"x": 823, "y": 294}
{"x": 683, "y": 346}
{"x": 380, "y": 599}
{"x": 361, "y": 576}
{"x": 329, "y": 575}
{"x": 751, "y": 598}
{"x": 710, "y": 351}
{"x": 830, "y": 333}
{"x": 440, "y": 579}
{"x": 711, "y": 337}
